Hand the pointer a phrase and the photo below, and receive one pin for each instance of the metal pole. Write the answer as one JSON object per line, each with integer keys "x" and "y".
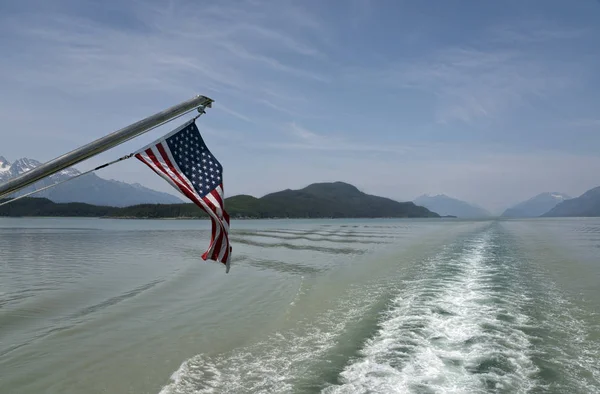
{"x": 100, "y": 145}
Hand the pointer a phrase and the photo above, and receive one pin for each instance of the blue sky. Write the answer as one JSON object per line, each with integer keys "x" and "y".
{"x": 490, "y": 102}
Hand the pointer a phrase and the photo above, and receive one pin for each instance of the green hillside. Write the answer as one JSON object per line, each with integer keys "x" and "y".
{"x": 319, "y": 200}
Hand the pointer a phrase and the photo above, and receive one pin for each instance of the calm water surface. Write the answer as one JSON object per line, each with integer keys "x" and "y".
{"x": 310, "y": 306}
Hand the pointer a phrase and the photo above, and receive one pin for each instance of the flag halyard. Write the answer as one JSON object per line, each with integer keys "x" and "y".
{"x": 182, "y": 158}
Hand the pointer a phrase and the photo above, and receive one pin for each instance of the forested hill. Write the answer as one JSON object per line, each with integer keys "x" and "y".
{"x": 336, "y": 199}
{"x": 320, "y": 200}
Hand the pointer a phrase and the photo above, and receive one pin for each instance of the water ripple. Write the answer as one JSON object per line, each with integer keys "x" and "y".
{"x": 290, "y": 246}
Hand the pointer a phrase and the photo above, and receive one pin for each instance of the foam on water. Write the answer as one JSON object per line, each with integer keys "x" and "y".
{"x": 448, "y": 331}
{"x": 463, "y": 321}
{"x": 270, "y": 366}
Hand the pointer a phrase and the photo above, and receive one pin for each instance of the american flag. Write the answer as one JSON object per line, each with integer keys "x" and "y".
{"x": 183, "y": 159}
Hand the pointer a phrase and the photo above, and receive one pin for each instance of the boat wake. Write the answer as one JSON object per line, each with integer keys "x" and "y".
{"x": 457, "y": 327}
{"x": 465, "y": 320}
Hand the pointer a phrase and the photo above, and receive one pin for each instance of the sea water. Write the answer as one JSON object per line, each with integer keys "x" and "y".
{"x": 331, "y": 306}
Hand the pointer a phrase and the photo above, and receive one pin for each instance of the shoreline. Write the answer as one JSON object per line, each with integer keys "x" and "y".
{"x": 207, "y": 218}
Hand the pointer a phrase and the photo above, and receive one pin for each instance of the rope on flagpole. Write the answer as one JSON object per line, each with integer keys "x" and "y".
{"x": 201, "y": 112}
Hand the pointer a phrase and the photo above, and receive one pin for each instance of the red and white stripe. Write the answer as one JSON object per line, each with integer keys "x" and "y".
{"x": 158, "y": 157}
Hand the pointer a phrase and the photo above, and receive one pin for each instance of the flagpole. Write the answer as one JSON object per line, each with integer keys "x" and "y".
{"x": 102, "y": 144}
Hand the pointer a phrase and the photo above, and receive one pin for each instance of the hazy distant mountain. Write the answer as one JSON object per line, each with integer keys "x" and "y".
{"x": 588, "y": 204}
{"x": 536, "y": 206}
{"x": 445, "y": 205}
{"x": 319, "y": 200}
{"x": 90, "y": 188}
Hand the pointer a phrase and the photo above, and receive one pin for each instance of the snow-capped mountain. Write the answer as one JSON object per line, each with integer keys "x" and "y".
{"x": 4, "y": 167}
{"x": 89, "y": 188}
{"x": 445, "y": 205}
{"x": 586, "y": 205}
{"x": 8, "y": 170}
{"x": 537, "y": 205}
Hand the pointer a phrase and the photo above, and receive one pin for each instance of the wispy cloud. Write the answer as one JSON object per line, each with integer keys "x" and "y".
{"x": 270, "y": 62}
{"x": 305, "y": 139}
{"x": 280, "y": 39}
{"x": 586, "y": 123}
{"x": 231, "y": 48}
{"x": 533, "y": 31}
{"x": 307, "y": 136}
{"x": 481, "y": 80}
{"x": 276, "y": 107}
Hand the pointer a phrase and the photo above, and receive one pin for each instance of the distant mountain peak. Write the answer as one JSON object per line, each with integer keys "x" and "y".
{"x": 560, "y": 196}
{"x": 89, "y": 189}
{"x": 588, "y": 204}
{"x": 536, "y": 205}
{"x": 592, "y": 192}
{"x": 551, "y": 194}
{"x": 23, "y": 165}
{"x": 431, "y": 195}
{"x": 338, "y": 186}
{"x": 446, "y": 205}
{"x": 4, "y": 165}
{"x": 27, "y": 161}
{"x": 334, "y": 199}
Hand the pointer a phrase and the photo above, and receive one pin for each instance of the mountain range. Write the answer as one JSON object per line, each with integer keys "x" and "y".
{"x": 536, "y": 206}
{"x": 336, "y": 199}
{"x": 588, "y": 204}
{"x": 89, "y": 189}
{"x": 449, "y": 206}
{"x": 319, "y": 200}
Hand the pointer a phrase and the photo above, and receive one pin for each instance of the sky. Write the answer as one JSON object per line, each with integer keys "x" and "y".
{"x": 489, "y": 102}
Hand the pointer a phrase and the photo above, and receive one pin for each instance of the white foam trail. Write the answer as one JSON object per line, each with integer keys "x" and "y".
{"x": 444, "y": 334}
{"x": 273, "y": 365}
